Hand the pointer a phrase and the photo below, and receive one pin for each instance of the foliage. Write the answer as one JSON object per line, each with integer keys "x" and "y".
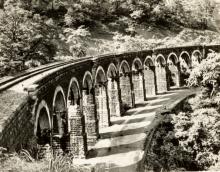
{"x": 191, "y": 14}
{"x": 42, "y": 30}
{"x": 206, "y": 74}
{"x": 189, "y": 140}
{"x": 25, "y": 35}
{"x": 76, "y": 39}
{"x": 165, "y": 154}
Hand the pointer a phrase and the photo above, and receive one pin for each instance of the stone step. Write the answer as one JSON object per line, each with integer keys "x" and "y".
{"x": 118, "y": 145}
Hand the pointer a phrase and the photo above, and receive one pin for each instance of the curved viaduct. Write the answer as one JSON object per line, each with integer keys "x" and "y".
{"x": 69, "y": 107}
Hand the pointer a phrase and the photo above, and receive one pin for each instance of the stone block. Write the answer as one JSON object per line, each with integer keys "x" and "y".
{"x": 77, "y": 146}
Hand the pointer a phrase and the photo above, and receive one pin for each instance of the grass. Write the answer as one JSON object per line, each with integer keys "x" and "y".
{"x": 23, "y": 162}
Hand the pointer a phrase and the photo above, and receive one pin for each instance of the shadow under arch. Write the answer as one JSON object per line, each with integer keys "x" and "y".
{"x": 101, "y": 98}
{"x": 185, "y": 67}
{"x": 89, "y": 110}
{"x": 113, "y": 91}
{"x": 138, "y": 80}
{"x": 59, "y": 120}
{"x": 43, "y": 125}
{"x": 196, "y": 58}
{"x": 125, "y": 86}
{"x": 149, "y": 77}
{"x": 173, "y": 73}
{"x": 161, "y": 74}
{"x": 76, "y": 121}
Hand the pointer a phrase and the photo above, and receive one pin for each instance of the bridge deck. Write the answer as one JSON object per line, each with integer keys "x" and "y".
{"x": 121, "y": 147}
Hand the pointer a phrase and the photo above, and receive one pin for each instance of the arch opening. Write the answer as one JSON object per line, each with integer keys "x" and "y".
{"x": 149, "y": 77}
{"x": 59, "y": 121}
{"x": 88, "y": 82}
{"x": 101, "y": 98}
{"x": 60, "y": 113}
{"x": 196, "y": 58}
{"x": 73, "y": 104}
{"x": 161, "y": 74}
{"x": 76, "y": 122}
{"x": 125, "y": 86}
{"x": 138, "y": 80}
{"x": 185, "y": 66}
{"x": 124, "y": 68}
{"x": 113, "y": 91}
{"x": 43, "y": 131}
{"x": 173, "y": 72}
{"x": 89, "y": 111}
{"x": 160, "y": 61}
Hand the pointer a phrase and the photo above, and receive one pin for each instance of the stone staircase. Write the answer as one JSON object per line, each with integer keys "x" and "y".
{"x": 121, "y": 147}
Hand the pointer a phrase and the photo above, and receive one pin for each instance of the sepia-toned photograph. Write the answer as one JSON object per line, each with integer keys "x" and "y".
{"x": 109, "y": 85}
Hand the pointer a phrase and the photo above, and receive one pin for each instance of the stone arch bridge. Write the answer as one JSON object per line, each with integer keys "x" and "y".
{"x": 67, "y": 108}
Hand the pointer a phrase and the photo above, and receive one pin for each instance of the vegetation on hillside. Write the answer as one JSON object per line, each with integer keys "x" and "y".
{"x": 190, "y": 139}
{"x": 36, "y": 31}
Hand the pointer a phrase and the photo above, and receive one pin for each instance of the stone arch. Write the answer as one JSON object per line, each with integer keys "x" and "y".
{"x": 91, "y": 121}
{"x": 172, "y": 58}
{"x": 185, "y": 58}
{"x": 112, "y": 71}
{"x": 160, "y": 60}
{"x": 59, "y": 117}
{"x": 43, "y": 125}
{"x": 149, "y": 77}
{"x": 59, "y": 107}
{"x": 138, "y": 80}
{"x": 125, "y": 85}
{"x": 161, "y": 74}
{"x": 74, "y": 94}
{"x": 113, "y": 91}
{"x": 149, "y": 61}
{"x": 100, "y": 76}
{"x": 196, "y": 58}
{"x": 124, "y": 67}
{"x": 185, "y": 65}
{"x": 173, "y": 70}
{"x": 101, "y": 98}
{"x": 137, "y": 64}
{"x": 73, "y": 102}
{"x": 87, "y": 81}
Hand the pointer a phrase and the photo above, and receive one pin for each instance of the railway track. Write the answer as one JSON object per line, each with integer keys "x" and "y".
{"x": 4, "y": 85}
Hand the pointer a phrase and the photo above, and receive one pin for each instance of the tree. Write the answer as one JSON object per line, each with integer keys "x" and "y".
{"x": 24, "y": 35}
{"x": 76, "y": 39}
